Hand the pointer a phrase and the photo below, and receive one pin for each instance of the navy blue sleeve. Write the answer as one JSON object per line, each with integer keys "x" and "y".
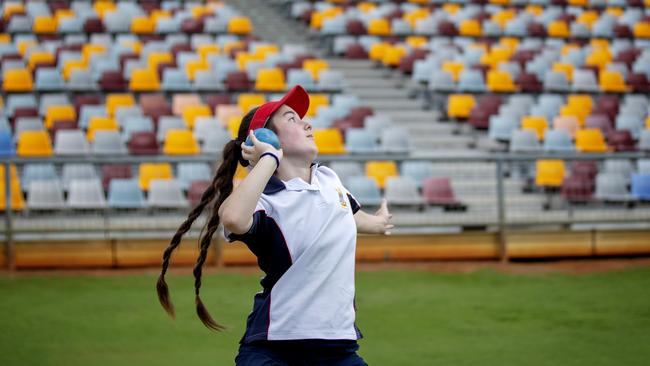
{"x": 354, "y": 204}
{"x": 256, "y": 231}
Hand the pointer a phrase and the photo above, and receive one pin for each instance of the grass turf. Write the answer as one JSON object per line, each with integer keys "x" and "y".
{"x": 407, "y": 318}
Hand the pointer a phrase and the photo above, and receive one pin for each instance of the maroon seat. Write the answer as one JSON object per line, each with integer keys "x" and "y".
{"x": 155, "y": 106}
{"x": 192, "y": 26}
{"x": 529, "y": 83}
{"x": 438, "y": 191}
{"x": 608, "y": 105}
{"x": 360, "y": 113}
{"x": 406, "y": 63}
{"x": 160, "y": 68}
{"x": 577, "y": 188}
{"x": 623, "y": 31}
{"x": 536, "y": 29}
{"x": 523, "y": 56}
{"x": 86, "y": 99}
{"x": 479, "y": 118}
{"x": 587, "y": 168}
{"x": 238, "y": 81}
{"x": 627, "y": 57}
{"x": 639, "y": 83}
{"x": 180, "y": 47}
{"x": 355, "y": 27}
{"x": 621, "y": 140}
{"x": 345, "y": 123}
{"x": 447, "y": 28}
{"x": 600, "y": 121}
{"x": 356, "y": 51}
{"x": 213, "y": 100}
{"x": 25, "y": 112}
{"x": 112, "y": 81}
{"x": 143, "y": 143}
{"x": 120, "y": 171}
{"x": 93, "y": 25}
{"x": 196, "y": 189}
{"x": 57, "y": 5}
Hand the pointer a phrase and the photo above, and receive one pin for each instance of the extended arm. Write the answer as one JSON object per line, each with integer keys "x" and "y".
{"x": 379, "y": 223}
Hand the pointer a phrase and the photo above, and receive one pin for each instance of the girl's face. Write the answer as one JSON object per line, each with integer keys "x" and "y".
{"x": 296, "y": 136}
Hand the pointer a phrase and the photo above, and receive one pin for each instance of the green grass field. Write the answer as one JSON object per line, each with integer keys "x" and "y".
{"x": 408, "y": 318}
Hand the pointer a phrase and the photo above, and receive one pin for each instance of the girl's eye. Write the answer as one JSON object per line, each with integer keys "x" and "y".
{"x": 292, "y": 119}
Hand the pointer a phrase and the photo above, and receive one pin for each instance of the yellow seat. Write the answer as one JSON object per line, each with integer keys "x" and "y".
{"x": 191, "y": 113}
{"x": 224, "y": 112}
{"x": 502, "y": 17}
{"x": 582, "y": 101}
{"x": 91, "y": 49}
{"x": 377, "y": 50}
{"x": 500, "y": 81}
{"x": 233, "y": 125}
{"x": 379, "y": 27}
{"x": 17, "y": 199}
{"x": 34, "y": 144}
{"x": 144, "y": 80}
{"x": 580, "y": 113}
{"x": 17, "y": 80}
{"x": 549, "y": 173}
{"x": 240, "y": 25}
{"x": 114, "y": 101}
{"x": 413, "y": 16}
{"x": 588, "y": 18}
{"x": 270, "y": 80}
{"x": 590, "y": 140}
{"x": 642, "y": 30}
{"x": 149, "y": 171}
{"x": 460, "y": 105}
{"x": 451, "y": 8}
{"x": 599, "y": 57}
{"x": 199, "y": 11}
{"x": 248, "y": 101}
{"x": 647, "y": 122}
{"x": 454, "y": 68}
{"x": 615, "y": 11}
{"x": 142, "y": 25}
{"x": 180, "y": 142}
{"x": 316, "y": 101}
{"x": 13, "y": 8}
{"x": 156, "y": 58}
{"x": 100, "y": 124}
{"x": 470, "y": 28}
{"x": 24, "y": 46}
{"x": 393, "y": 56}
{"x": 205, "y": 50}
{"x": 558, "y": 29}
{"x": 192, "y": 66}
{"x": 366, "y": 6}
{"x": 263, "y": 51}
{"x": 581, "y": 3}
{"x": 59, "y": 113}
{"x": 102, "y": 7}
{"x": 416, "y": 41}
{"x": 64, "y": 13}
{"x": 612, "y": 81}
{"x": 535, "y": 123}
{"x": 71, "y": 65}
{"x": 40, "y": 57}
{"x": 565, "y": 68}
{"x": 315, "y": 66}
{"x": 500, "y": 2}
{"x": 380, "y": 170}
{"x": 329, "y": 141}
{"x": 44, "y": 24}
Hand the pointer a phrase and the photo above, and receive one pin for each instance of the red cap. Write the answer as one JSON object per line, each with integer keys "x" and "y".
{"x": 297, "y": 98}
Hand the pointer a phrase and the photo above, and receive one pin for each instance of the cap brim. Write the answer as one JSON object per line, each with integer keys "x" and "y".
{"x": 297, "y": 98}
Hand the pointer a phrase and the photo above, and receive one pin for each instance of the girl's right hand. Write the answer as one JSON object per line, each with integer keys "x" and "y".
{"x": 252, "y": 153}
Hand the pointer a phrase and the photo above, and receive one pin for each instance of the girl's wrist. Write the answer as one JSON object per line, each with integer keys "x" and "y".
{"x": 272, "y": 156}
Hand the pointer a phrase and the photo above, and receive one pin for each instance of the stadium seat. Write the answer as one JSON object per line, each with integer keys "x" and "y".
{"x": 402, "y": 191}
{"x": 500, "y": 81}
{"x": 182, "y": 101}
{"x": 180, "y": 142}
{"x": 612, "y": 81}
{"x": 360, "y": 141}
{"x": 329, "y": 141}
{"x": 164, "y": 193}
{"x": 115, "y": 171}
{"x": 549, "y": 173}
{"x": 45, "y": 195}
{"x": 108, "y": 142}
{"x": 315, "y": 66}
{"x": 569, "y": 124}
{"x": 17, "y": 199}
{"x": 524, "y": 141}
{"x": 150, "y": 171}
{"x": 125, "y": 193}
{"x": 379, "y": 27}
{"x": 621, "y": 140}
{"x": 59, "y": 113}
{"x": 240, "y": 25}
{"x": 192, "y": 112}
{"x": 535, "y": 123}
{"x": 143, "y": 143}
{"x": 113, "y": 101}
{"x": 270, "y": 80}
{"x": 144, "y": 80}
{"x": 380, "y": 170}
{"x": 17, "y": 80}
{"x": 395, "y": 140}
{"x": 196, "y": 190}
{"x": 77, "y": 171}
{"x": 612, "y": 188}
{"x": 70, "y": 142}
{"x": 364, "y": 189}
{"x": 34, "y": 144}
{"x": 577, "y": 188}
{"x": 438, "y": 191}
{"x": 187, "y": 173}
{"x": 460, "y": 105}
{"x": 86, "y": 194}
{"x": 590, "y": 140}
{"x": 502, "y": 126}
{"x": 142, "y": 25}
{"x": 6, "y": 144}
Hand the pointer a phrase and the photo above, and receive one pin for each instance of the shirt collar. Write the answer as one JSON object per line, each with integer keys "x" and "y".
{"x": 276, "y": 185}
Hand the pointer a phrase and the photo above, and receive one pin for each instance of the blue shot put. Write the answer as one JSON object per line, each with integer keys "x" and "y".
{"x": 264, "y": 135}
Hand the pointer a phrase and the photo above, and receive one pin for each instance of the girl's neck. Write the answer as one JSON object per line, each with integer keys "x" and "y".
{"x": 293, "y": 167}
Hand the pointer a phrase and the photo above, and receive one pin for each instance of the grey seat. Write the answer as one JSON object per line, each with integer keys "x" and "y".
{"x": 402, "y": 191}
{"x": 441, "y": 81}
{"x": 611, "y": 187}
{"x": 82, "y": 80}
{"x": 644, "y": 140}
{"x": 125, "y": 193}
{"x": 330, "y": 80}
{"x": 86, "y": 194}
{"x": 45, "y": 195}
{"x": 555, "y": 81}
{"x": 49, "y": 79}
{"x": 168, "y": 123}
{"x": 203, "y": 126}
{"x": 472, "y": 81}
{"x": 108, "y": 143}
{"x": 360, "y": 141}
{"x": 377, "y": 123}
{"x": 190, "y": 172}
{"x": 346, "y": 169}
{"x": 418, "y": 171}
{"x": 70, "y": 142}
{"x": 207, "y": 80}
{"x": 27, "y": 124}
{"x": 622, "y": 167}
{"x": 175, "y": 80}
{"x": 364, "y": 189}
{"x": 134, "y": 124}
{"x": 558, "y": 141}
{"x": 643, "y": 166}
{"x": 501, "y": 127}
{"x": 78, "y": 171}
{"x": 584, "y": 81}
{"x": 89, "y": 111}
{"x": 215, "y": 140}
{"x": 166, "y": 194}
{"x": 35, "y": 172}
{"x": 524, "y": 141}
{"x": 395, "y": 140}
{"x": 300, "y": 77}
{"x": 53, "y": 99}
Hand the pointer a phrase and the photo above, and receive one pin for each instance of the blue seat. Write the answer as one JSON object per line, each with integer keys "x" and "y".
{"x": 556, "y": 81}
{"x": 346, "y": 102}
{"x": 300, "y": 77}
{"x": 125, "y": 193}
{"x": 90, "y": 110}
{"x": 501, "y": 127}
{"x": 175, "y": 80}
{"x": 472, "y": 81}
{"x": 441, "y": 81}
{"x": 134, "y": 124}
{"x": 191, "y": 172}
{"x": 557, "y": 141}
{"x": 641, "y": 186}
{"x": 417, "y": 170}
{"x": 49, "y": 79}
{"x": 364, "y": 189}
{"x": 6, "y": 144}
{"x": 360, "y": 141}
{"x": 71, "y": 25}
{"x": 35, "y": 172}
{"x": 15, "y": 101}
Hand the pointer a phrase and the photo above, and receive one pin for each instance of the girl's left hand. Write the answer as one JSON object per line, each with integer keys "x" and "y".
{"x": 384, "y": 224}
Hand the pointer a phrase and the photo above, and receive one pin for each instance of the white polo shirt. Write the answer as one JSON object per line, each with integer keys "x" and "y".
{"x": 304, "y": 237}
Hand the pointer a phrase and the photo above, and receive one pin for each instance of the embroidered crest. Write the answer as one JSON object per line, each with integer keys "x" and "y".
{"x": 344, "y": 203}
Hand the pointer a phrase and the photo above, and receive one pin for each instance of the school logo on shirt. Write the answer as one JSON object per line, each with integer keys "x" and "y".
{"x": 342, "y": 201}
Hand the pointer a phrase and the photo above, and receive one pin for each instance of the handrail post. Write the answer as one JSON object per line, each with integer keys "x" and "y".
{"x": 9, "y": 242}
{"x": 501, "y": 214}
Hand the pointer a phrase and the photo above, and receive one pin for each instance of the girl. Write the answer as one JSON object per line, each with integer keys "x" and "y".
{"x": 301, "y": 223}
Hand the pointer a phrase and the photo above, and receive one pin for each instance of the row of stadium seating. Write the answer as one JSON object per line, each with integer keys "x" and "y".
{"x": 41, "y": 17}
{"x": 390, "y": 19}
{"x": 173, "y": 64}
{"x": 372, "y": 4}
